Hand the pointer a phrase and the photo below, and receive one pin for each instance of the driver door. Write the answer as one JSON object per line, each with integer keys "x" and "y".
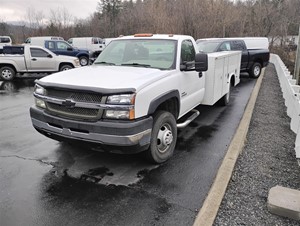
{"x": 39, "y": 60}
{"x": 192, "y": 82}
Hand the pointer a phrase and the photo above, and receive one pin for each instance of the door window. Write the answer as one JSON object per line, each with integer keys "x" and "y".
{"x": 225, "y": 46}
{"x": 237, "y": 45}
{"x": 4, "y": 40}
{"x": 187, "y": 51}
{"x": 62, "y": 46}
{"x": 38, "y": 52}
{"x": 95, "y": 41}
{"x": 51, "y": 45}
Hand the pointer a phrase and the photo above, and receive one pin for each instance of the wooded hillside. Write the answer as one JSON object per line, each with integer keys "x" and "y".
{"x": 199, "y": 18}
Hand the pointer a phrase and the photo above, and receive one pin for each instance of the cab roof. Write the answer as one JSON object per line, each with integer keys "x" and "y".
{"x": 156, "y": 36}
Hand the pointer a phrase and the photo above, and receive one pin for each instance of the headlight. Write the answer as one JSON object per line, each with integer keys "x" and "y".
{"x": 39, "y": 90}
{"x": 121, "y": 99}
{"x": 117, "y": 114}
{"x": 40, "y": 103}
{"x": 121, "y": 112}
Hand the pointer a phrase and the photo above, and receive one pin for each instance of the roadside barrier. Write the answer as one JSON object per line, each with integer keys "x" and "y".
{"x": 291, "y": 95}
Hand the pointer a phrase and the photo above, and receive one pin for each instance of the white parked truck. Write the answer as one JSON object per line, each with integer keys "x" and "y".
{"x": 32, "y": 59}
{"x": 132, "y": 98}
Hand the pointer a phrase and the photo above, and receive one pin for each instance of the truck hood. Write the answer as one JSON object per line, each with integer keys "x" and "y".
{"x": 105, "y": 78}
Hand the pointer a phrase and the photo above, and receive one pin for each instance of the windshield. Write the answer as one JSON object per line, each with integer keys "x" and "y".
{"x": 207, "y": 47}
{"x": 150, "y": 53}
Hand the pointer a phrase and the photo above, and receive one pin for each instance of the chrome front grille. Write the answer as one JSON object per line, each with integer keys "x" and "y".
{"x": 76, "y": 96}
{"x": 77, "y": 113}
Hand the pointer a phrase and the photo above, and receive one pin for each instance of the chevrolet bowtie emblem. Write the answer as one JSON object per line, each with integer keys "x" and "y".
{"x": 68, "y": 103}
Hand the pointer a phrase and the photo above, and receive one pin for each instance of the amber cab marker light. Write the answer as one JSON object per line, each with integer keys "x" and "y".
{"x": 143, "y": 35}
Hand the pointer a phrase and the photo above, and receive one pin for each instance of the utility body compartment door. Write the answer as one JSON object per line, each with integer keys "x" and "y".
{"x": 221, "y": 67}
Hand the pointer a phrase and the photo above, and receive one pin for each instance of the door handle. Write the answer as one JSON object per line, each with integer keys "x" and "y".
{"x": 33, "y": 59}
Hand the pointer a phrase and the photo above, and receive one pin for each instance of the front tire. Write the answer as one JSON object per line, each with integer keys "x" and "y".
{"x": 65, "y": 67}
{"x": 83, "y": 61}
{"x": 255, "y": 70}
{"x": 163, "y": 137}
{"x": 7, "y": 73}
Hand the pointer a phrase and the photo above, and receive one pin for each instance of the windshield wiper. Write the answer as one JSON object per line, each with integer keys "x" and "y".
{"x": 137, "y": 64}
{"x": 103, "y": 62}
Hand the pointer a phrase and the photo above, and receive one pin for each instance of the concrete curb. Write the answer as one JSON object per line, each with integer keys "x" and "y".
{"x": 284, "y": 202}
{"x": 209, "y": 210}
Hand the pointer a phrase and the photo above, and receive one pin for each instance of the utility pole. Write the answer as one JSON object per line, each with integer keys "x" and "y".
{"x": 297, "y": 61}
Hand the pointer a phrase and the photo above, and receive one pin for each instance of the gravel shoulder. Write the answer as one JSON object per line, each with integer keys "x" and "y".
{"x": 268, "y": 159}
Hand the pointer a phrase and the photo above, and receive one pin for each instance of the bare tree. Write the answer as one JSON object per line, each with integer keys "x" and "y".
{"x": 62, "y": 21}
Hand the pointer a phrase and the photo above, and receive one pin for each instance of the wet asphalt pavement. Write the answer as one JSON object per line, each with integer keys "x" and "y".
{"x": 44, "y": 182}
{"x": 268, "y": 159}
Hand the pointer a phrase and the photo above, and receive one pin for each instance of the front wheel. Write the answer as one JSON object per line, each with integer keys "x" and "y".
{"x": 65, "y": 67}
{"x": 255, "y": 70}
{"x": 83, "y": 61}
{"x": 7, "y": 73}
{"x": 163, "y": 137}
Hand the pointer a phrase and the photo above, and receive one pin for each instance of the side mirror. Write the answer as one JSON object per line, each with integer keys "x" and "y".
{"x": 70, "y": 49}
{"x": 201, "y": 62}
{"x": 49, "y": 56}
{"x": 187, "y": 66}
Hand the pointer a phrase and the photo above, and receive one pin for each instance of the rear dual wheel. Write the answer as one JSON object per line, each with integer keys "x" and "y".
{"x": 226, "y": 98}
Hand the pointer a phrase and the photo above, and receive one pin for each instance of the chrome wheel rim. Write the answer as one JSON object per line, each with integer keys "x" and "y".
{"x": 83, "y": 61}
{"x": 164, "y": 138}
{"x": 256, "y": 70}
{"x": 6, "y": 74}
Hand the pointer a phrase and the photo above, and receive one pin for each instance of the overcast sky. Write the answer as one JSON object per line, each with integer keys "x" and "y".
{"x": 16, "y": 10}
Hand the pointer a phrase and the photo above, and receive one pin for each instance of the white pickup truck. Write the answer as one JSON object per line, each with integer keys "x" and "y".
{"x": 137, "y": 93}
{"x": 32, "y": 59}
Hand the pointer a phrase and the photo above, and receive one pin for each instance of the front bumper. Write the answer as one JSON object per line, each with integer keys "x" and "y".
{"x": 111, "y": 136}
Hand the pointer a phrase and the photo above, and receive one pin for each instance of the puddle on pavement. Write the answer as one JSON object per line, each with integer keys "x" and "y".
{"x": 96, "y": 174}
{"x": 108, "y": 169}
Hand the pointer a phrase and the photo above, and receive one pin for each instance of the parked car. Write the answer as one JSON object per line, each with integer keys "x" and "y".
{"x": 60, "y": 47}
{"x": 32, "y": 59}
{"x": 94, "y": 45}
{"x": 255, "y": 52}
{"x": 4, "y": 41}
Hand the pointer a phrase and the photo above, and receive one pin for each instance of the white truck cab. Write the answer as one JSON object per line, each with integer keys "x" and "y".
{"x": 131, "y": 98}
